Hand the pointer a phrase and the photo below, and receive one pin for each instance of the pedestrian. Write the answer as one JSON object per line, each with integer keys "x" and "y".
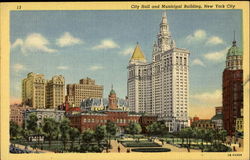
{"x": 128, "y": 150}
{"x": 119, "y": 149}
{"x": 234, "y": 148}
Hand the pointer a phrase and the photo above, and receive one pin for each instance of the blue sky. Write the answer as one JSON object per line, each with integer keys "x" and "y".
{"x": 98, "y": 44}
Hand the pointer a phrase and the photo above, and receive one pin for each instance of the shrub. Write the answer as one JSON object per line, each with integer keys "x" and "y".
{"x": 217, "y": 148}
{"x": 151, "y": 150}
{"x": 140, "y": 144}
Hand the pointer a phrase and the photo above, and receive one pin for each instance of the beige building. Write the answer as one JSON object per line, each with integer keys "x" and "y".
{"x": 85, "y": 89}
{"x": 33, "y": 90}
{"x": 37, "y": 92}
{"x": 55, "y": 94}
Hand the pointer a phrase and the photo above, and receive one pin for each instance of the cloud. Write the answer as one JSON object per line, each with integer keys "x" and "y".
{"x": 106, "y": 44}
{"x": 127, "y": 51}
{"x": 62, "y": 67}
{"x": 214, "y": 40}
{"x": 217, "y": 56}
{"x": 67, "y": 40}
{"x": 17, "y": 43}
{"x": 96, "y": 67}
{"x": 18, "y": 67}
{"x": 34, "y": 42}
{"x": 198, "y": 62}
{"x": 212, "y": 98}
{"x": 198, "y": 35}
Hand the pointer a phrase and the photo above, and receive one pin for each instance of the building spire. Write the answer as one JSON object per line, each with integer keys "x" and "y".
{"x": 164, "y": 18}
{"x": 164, "y": 36}
{"x": 138, "y": 55}
{"x": 234, "y": 41}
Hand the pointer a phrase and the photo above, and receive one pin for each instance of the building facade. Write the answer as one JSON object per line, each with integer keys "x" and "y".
{"x": 33, "y": 90}
{"x": 16, "y": 113}
{"x": 85, "y": 89}
{"x": 161, "y": 87}
{"x": 90, "y": 120}
{"x": 240, "y": 123}
{"x": 112, "y": 100}
{"x": 37, "y": 92}
{"x": 232, "y": 89}
{"x": 55, "y": 92}
{"x": 41, "y": 114}
{"x": 205, "y": 124}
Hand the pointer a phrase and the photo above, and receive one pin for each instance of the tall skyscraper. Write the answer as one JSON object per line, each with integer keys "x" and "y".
{"x": 55, "y": 91}
{"x": 232, "y": 88}
{"x": 33, "y": 90}
{"x": 86, "y": 89}
{"x": 37, "y": 92}
{"x": 162, "y": 86}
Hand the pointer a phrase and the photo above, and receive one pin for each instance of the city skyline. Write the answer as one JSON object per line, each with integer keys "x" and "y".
{"x": 95, "y": 51}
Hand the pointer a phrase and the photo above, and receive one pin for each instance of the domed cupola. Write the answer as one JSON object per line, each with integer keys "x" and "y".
{"x": 234, "y": 57}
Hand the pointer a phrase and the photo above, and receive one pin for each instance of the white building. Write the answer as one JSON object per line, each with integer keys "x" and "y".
{"x": 162, "y": 86}
{"x": 41, "y": 114}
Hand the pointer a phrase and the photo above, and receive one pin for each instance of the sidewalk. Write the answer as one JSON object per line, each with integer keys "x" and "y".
{"x": 32, "y": 149}
{"x": 115, "y": 145}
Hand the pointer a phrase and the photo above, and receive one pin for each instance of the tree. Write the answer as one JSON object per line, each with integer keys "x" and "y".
{"x": 111, "y": 130}
{"x": 134, "y": 128}
{"x": 188, "y": 132}
{"x": 50, "y": 128}
{"x": 201, "y": 133}
{"x": 39, "y": 132}
{"x": 15, "y": 130}
{"x": 32, "y": 122}
{"x": 73, "y": 133}
{"x": 222, "y": 135}
{"x": 100, "y": 134}
{"x": 157, "y": 129}
{"x": 87, "y": 137}
{"x": 64, "y": 130}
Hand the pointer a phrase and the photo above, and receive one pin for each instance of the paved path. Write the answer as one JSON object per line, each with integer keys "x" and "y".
{"x": 174, "y": 148}
{"x": 115, "y": 145}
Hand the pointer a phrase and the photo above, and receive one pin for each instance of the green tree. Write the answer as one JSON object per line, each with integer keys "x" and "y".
{"x": 223, "y": 135}
{"x": 111, "y": 131}
{"x": 100, "y": 134}
{"x": 39, "y": 132}
{"x": 64, "y": 130}
{"x": 201, "y": 134}
{"x": 87, "y": 137}
{"x": 133, "y": 129}
{"x": 32, "y": 122}
{"x": 15, "y": 130}
{"x": 188, "y": 132}
{"x": 73, "y": 133}
{"x": 50, "y": 128}
{"x": 25, "y": 133}
{"x": 157, "y": 129}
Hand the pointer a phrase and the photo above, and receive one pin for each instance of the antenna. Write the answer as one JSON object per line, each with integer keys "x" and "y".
{"x": 234, "y": 41}
{"x": 234, "y": 35}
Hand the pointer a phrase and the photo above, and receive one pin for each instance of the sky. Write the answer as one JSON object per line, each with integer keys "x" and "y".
{"x": 98, "y": 44}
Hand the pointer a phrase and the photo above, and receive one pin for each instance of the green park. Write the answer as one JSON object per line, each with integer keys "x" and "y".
{"x": 60, "y": 137}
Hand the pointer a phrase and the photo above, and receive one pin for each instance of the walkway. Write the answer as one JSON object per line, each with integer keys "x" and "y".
{"x": 32, "y": 149}
{"x": 115, "y": 145}
{"x": 174, "y": 148}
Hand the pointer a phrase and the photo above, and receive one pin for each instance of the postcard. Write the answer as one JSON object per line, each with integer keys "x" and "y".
{"x": 125, "y": 80}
